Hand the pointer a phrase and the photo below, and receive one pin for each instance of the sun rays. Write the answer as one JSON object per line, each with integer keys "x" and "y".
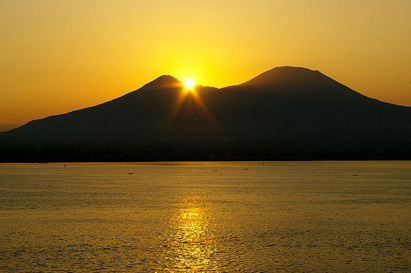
{"x": 190, "y": 97}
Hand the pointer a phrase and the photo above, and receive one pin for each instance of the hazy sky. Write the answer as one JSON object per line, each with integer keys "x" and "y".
{"x": 61, "y": 55}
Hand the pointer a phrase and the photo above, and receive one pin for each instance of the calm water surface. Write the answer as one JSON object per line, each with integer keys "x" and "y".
{"x": 206, "y": 217}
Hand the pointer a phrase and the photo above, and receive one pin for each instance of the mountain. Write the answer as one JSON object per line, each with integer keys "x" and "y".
{"x": 7, "y": 126}
{"x": 286, "y": 113}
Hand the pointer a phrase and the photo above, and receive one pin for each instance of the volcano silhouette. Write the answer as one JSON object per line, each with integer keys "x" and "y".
{"x": 286, "y": 113}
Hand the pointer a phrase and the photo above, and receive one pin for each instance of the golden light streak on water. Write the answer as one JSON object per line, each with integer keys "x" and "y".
{"x": 190, "y": 244}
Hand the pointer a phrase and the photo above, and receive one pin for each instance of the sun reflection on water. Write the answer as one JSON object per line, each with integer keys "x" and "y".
{"x": 190, "y": 246}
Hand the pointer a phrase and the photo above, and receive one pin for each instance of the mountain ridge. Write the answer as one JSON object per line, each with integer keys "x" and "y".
{"x": 284, "y": 113}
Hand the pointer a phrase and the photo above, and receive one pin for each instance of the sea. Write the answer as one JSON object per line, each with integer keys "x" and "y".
{"x": 320, "y": 216}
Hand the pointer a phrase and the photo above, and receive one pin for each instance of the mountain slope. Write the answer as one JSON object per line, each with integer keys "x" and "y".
{"x": 284, "y": 113}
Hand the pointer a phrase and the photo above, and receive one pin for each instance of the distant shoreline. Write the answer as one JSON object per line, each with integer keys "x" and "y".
{"x": 203, "y": 163}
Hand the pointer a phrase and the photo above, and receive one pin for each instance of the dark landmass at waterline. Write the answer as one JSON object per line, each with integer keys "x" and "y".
{"x": 286, "y": 113}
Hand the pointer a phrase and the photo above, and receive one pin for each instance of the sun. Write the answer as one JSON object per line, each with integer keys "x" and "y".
{"x": 189, "y": 83}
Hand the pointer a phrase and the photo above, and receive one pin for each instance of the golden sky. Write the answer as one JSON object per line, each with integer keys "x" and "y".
{"x": 59, "y": 56}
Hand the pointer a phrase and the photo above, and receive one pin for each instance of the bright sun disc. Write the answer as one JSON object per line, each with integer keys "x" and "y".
{"x": 189, "y": 83}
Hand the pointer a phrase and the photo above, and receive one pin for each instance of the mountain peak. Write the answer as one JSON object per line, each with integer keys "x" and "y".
{"x": 286, "y": 75}
{"x": 164, "y": 81}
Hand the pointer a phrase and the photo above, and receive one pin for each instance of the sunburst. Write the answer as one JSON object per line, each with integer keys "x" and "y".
{"x": 189, "y": 83}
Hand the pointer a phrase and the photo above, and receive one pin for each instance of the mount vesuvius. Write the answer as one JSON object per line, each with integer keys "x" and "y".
{"x": 286, "y": 113}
